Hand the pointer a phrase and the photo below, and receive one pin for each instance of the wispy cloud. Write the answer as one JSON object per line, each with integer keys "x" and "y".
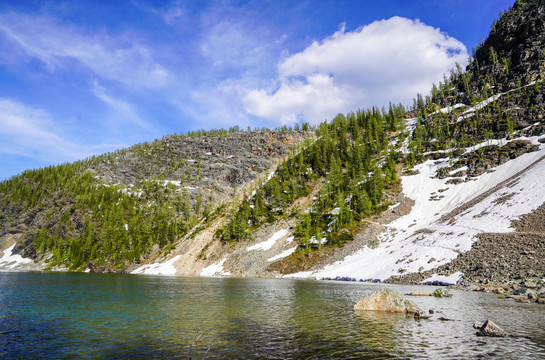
{"x": 220, "y": 106}
{"x": 238, "y": 55}
{"x": 31, "y": 132}
{"x": 174, "y": 13}
{"x": 122, "y": 59}
{"x": 127, "y": 113}
{"x": 231, "y": 44}
{"x": 388, "y": 60}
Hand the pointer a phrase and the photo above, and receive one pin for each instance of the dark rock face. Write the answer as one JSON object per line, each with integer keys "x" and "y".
{"x": 519, "y": 38}
{"x": 26, "y": 247}
{"x": 209, "y": 163}
{"x": 490, "y": 328}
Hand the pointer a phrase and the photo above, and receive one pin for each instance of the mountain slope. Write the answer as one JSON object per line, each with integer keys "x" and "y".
{"x": 110, "y": 211}
{"x": 477, "y": 133}
{"x": 484, "y": 162}
{"x": 393, "y": 194}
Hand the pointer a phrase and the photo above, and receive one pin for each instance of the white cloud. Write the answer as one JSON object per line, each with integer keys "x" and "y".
{"x": 311, "y": 99}
{"x": 172, "y": 13}
{"x": 388, "y": 60}
{"x": 122, "y": 59}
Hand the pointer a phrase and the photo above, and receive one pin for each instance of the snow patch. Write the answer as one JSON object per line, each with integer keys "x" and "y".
{"x": 215, "y": 269}
{"x": 448, "y": 109}
{"x": 268, "y": 244}
{"x": 498, "y": 142}
{"x": 314, "y": 241}
{"x": 165, "y": 268}
{"x": 283, "y": 254}
{"x": 411, "y": 125}
{"x": 483, "y": 103}
{"x": 167, "y": 182}
{"x": 270, "y": 176}
{"x": 443, "y": 279}
{"x": 12, "y": 261}
{"x": 471, "y": 111}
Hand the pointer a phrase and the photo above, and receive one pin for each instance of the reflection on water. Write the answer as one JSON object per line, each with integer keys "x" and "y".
{"x": 51, "y": 315}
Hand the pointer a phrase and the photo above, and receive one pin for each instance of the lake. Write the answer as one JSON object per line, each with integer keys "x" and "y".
{"x": 118, "y": 316}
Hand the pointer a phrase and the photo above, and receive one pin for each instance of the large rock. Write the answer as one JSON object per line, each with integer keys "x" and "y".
{"x": 387, "y": 300}
{"x": 490, "y": 328}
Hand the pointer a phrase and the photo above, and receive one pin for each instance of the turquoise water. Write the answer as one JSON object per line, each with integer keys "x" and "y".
{"x": 114, "y": 316}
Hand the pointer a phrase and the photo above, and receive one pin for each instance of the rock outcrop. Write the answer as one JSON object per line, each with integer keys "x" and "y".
{"x": 387, "y": 300}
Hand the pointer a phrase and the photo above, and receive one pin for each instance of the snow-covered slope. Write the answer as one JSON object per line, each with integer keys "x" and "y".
{"x": 437, "y": 229}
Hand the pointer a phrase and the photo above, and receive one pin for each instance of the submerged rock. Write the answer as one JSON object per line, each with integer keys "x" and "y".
{"x": 387, "y": 300}
{"x": 490, "y": 328}
{"x": 418, "y": 316}
{"x": 418, "y": 294}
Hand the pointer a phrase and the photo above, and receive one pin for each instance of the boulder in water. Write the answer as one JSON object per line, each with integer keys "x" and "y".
{"x": 387, "y": 300}
{"x": 490, "y": 328}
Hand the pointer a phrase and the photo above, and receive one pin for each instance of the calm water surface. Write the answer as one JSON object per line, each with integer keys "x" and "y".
{"x": 66, "y": 315}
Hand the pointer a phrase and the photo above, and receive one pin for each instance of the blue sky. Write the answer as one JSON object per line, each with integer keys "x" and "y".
{"x": 87, "y": 77}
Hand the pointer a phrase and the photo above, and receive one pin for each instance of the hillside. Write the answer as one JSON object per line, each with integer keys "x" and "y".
{"x": 109, "y": 211}
{"x": 476, "y": 134}
{"x": 448, "y": 190}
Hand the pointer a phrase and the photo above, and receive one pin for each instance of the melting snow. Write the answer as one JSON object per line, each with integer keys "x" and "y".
{"x": 270, "y": 176}
{"x": 165, "y": 268}
{"x": 471, "y": 111}
{"x": 448, "y": 109}
{"x": 411, "y": 124}
{"x": 483, "y": 103}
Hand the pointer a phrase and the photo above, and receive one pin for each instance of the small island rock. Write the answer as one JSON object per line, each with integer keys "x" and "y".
{"x": 490, "y": 328}
{"x": 387, "y": 300}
